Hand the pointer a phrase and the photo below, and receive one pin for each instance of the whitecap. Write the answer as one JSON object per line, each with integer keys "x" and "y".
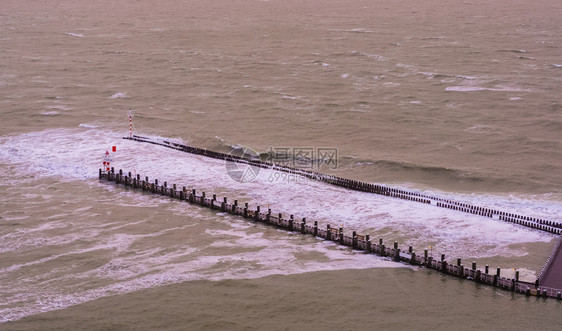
{"x": 119, "y": 95}
{"x": 480, "y": 88}
{"x": 87, "y": 126}
{"x": 79, "y": 35}
{"x": 50, "y": 113}
{"x": 59, "y": 107}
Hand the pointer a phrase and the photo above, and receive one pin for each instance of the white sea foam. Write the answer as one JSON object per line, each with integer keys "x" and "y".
{"x": 59, "y": 107}
{"x": 79, "y": 35}
{"x": 462, "y": 88}
{"x": 119, "y": 95}
{"x": 87, "y": 126}
{"x": 43, "y": 156}
{"x": 251, "y": 250}
{"x": 50, "y": 113}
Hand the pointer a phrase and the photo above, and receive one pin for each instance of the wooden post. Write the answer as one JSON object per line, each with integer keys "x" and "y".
{"x": 341, "y": 235}
{"x": 487, "y": 269}
{"x": 303, "y": 225}
{"x": 473, "y": 265}
{"x": 328, "y": 232}
{"x": 291, "y": 223}
{"x": 316, "y": 228}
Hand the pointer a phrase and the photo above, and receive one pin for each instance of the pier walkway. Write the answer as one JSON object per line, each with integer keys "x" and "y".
{"x": 550, "y": 278}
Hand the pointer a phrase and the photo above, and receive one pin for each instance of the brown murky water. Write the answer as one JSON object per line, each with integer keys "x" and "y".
{"x": 457, "y": 99}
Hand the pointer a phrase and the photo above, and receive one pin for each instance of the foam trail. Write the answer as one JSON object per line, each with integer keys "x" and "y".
{"x": 283, "y": 193}
{"x": 137, "y": 258}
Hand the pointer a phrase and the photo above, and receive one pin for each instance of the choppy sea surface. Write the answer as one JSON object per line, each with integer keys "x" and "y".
{"x": 458, "y": 100}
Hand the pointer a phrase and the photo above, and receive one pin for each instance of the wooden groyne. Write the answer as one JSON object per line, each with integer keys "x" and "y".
{"x": 531, "y": 222}
{"x": 335, "y": 234}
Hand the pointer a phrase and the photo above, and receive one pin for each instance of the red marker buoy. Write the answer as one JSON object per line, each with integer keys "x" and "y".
{"x": 114, "y": 148}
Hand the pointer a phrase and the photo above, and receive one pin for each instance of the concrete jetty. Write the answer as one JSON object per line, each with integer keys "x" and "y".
{"x": 531, "y": 222}
{"x": 335, "y": 234}
{"x": 550, "y": 278}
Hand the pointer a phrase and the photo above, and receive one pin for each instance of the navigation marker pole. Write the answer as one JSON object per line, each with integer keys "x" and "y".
{"x": 106, "y": 161}
{"x": 130, "y": 123}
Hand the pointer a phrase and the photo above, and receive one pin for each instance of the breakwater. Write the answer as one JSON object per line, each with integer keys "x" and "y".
{"x": 531, "y": 222}
{"x": 353, "y": 240}
{"x": 550, "y": 277}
